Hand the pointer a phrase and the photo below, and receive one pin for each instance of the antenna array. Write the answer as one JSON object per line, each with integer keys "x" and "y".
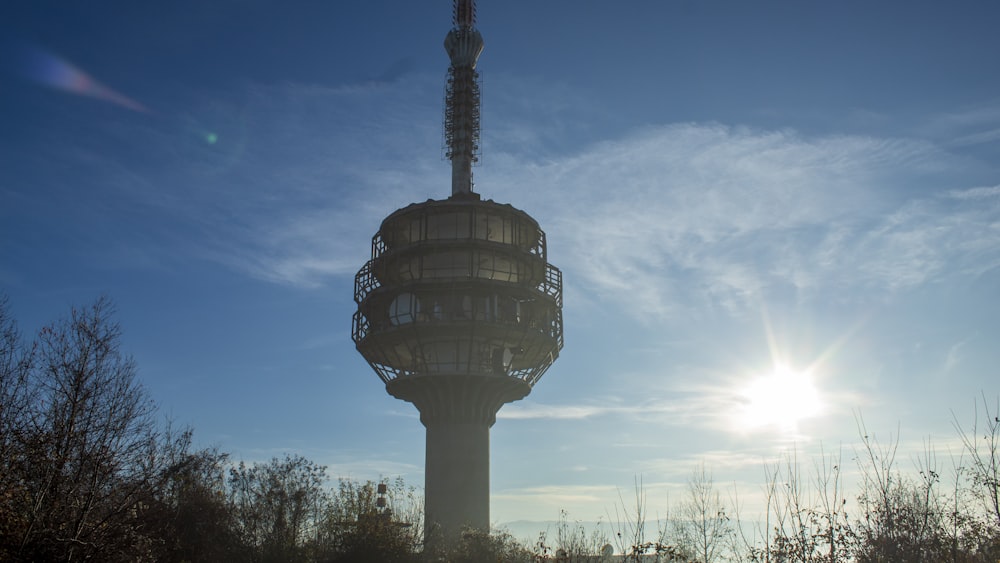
{"x": 464, "y": 44}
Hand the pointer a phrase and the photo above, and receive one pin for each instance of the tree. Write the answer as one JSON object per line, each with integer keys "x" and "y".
{"x": 629, "y": 528}
{"x": 374, "y": 522}
{"x": 80, "y": 447}
{"x": 801, "y": 524}
{"x": 982, "y": 445}
{"x": 15, "y": 399}
{"x": 903, "y": 518}
{"x": 187, "y": 504}
{"x": 704, "y": 524}
{"x": 276, "y": 507}
{"x": 573, "y": 544}
{"x": 629, "y": 524}
{"x": 479, "y": 546}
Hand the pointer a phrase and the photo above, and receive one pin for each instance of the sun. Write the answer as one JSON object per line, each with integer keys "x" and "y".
{"x": 778, "y": 400}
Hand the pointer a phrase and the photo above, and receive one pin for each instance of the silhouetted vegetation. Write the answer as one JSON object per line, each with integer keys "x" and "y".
{"x": 88, "y": 472}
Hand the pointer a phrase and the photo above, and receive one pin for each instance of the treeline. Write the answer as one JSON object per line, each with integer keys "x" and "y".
{"x": 89, "y": 471}
{"x": 943, "y": 511}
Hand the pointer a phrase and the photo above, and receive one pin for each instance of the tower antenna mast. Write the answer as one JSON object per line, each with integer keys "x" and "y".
{"x": 464, "y": 44}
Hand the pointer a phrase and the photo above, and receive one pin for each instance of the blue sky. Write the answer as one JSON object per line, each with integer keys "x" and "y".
{"x": 727, "y": 186}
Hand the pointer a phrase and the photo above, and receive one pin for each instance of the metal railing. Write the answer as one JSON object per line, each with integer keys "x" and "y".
{"x": 364, "y": 282}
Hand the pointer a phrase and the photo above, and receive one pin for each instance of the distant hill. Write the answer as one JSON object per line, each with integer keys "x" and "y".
{"x": 527, "y": 531}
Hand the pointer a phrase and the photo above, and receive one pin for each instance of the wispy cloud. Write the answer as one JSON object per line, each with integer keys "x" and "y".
{"x": 695, "y": 216}
{"x": 659, "y": 221}
{"x": 529, "y": 411}
{"x": 965, "y": 126}
{"x": 954, "y": 356}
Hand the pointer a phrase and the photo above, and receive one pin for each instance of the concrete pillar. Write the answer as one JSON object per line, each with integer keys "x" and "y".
{"x": 457, "y": 478}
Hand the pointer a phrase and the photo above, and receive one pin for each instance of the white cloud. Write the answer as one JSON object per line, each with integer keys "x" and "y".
{"x": 967, "y": 126}
{"x": 664, "y": 221}
{"x": 954, "y": 356}
{"x": 983, "y": 192}
{"x": 694, "y": 217}
{"x": 978, "y": 138}
{"x": 530, "y": 411}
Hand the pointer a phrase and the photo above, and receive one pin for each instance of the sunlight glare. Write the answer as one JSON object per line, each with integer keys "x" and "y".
{"x": 780, "y": 399}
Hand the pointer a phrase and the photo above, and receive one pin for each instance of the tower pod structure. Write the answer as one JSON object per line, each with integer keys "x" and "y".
{"x": 458, "y": 291}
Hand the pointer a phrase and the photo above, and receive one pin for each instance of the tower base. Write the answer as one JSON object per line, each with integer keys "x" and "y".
{"x": 456, "y": 480}
{"x": 457, "y": 411}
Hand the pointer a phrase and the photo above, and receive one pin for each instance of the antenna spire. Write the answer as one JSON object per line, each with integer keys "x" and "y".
{"x": 461, "y": 115}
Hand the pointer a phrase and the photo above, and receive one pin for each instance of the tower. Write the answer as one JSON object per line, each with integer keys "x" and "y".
{"x": 459, "y": 311}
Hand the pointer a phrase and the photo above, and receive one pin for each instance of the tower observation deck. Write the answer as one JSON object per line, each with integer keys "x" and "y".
{"x": 459, "y": 311}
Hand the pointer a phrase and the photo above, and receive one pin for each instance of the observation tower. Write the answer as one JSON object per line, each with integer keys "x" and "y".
{"x": 459, "y": 311}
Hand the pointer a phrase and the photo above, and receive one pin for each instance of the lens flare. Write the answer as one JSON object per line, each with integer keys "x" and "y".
{"x": 49, "y": 70}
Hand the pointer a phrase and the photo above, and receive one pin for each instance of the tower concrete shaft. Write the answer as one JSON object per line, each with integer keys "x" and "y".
{"x": 457, "y": 478}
